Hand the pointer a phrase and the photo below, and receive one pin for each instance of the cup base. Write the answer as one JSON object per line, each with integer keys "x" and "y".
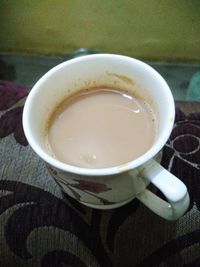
{"x": 107, "y": 206}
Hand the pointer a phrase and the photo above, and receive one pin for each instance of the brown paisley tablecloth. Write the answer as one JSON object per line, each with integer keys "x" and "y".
{"x": 41, "y": 227}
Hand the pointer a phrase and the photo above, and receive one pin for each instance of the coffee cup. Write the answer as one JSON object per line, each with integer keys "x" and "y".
{"x": 108, "y": 187}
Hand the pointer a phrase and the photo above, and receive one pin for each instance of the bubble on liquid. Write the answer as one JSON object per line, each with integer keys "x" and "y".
{"x": 88, "y": 158}
{"x": 135, "y": 110}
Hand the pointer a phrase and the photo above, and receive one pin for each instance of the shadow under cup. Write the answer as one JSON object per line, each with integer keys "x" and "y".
{"x": 109, "y": 186}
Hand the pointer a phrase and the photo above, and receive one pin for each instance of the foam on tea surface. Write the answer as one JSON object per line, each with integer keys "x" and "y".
{"x": 100, "y": 128}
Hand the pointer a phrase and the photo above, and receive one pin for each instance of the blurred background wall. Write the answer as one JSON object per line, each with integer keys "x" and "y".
{"x": 166, "y": 30}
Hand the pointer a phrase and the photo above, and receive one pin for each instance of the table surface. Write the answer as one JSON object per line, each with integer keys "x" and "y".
{"x": 41, "y": 227}
{"x": 183, "y": 79}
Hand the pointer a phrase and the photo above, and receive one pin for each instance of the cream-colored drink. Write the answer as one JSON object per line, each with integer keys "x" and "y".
{"x": 100, "y": 128}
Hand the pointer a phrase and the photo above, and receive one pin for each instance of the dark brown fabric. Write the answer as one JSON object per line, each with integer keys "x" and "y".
{"x": 41, "y": 227}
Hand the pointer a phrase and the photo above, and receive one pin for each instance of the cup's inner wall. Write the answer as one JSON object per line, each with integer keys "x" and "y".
{"x": 117, "y": 72}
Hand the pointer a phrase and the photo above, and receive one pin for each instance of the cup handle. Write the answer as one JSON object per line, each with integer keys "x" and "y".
{"x": 173, "y": 189}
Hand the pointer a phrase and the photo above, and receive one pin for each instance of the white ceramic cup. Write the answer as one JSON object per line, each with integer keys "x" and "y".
{"x": 108, "y": 187}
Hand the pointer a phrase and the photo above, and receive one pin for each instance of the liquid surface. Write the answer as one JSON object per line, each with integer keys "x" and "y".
{"x": 101, "y": 128}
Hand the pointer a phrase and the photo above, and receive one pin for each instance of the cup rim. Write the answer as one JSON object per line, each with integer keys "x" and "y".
{"x": 152, "y": 152}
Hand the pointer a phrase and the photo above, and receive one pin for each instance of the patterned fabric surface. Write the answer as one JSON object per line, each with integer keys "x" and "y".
{"x": 41, "y": 227}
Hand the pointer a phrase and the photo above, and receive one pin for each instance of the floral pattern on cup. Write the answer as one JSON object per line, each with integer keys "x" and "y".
{"x": 90, "y": 188}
